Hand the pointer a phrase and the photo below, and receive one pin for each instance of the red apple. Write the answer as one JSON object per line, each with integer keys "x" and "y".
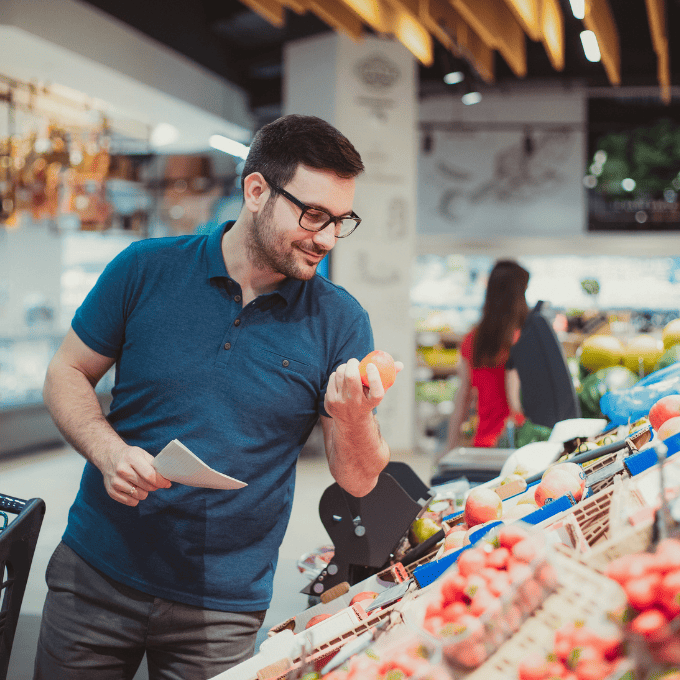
{"x": 482, "y": 505}
{"x": 454, "y": 539}
{"x": 665, "y": 408}
{"x": 669, "y": 428}
{"x": 365, "y": 595}
{"x": 317, "y": 619}
{"x": 555, "y": 484}
{"x": 385, "y": 365}
{"x": 573, "y": 469}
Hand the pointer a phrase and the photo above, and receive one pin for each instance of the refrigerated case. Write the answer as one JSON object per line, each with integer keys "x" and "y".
{"x": 25, "y": 423}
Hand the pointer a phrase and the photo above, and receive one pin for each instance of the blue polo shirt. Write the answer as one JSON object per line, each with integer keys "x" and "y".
{"x": 241, "y": 387}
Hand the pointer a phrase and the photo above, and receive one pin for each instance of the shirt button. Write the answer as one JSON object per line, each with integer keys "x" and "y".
{"x": 237, "y": 298}
{"x": 285, "y": 362}
{"x": 237, "y": 322}
{"x": 227, "y": 345}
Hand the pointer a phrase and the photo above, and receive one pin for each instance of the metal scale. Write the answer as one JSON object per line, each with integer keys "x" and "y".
{"x": 367, "y": 531}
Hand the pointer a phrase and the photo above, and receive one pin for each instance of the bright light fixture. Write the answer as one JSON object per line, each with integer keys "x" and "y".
{"x": 590, "y": 46}
{"x": 470, "y": 98}
{"x": 578, "y": 8}
{"x": 230, "y": 146}
{"x": 454, "y": 77}
{"x": 164, "y": 134}
{"x": 628, "y": 184}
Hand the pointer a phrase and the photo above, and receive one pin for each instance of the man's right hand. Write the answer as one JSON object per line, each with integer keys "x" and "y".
{"x": 129, "y": 476}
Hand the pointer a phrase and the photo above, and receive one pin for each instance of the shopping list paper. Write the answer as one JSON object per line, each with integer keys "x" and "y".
{"x": 178, "y": 464}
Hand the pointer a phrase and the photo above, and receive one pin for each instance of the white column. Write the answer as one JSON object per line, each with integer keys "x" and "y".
{"x": 368, "y": 91}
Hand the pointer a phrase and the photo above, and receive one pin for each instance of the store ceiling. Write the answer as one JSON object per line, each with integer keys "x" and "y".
{"x": 240, "y": 45}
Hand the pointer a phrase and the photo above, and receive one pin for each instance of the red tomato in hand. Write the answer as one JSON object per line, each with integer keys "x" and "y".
{"x": 385, "y": 365}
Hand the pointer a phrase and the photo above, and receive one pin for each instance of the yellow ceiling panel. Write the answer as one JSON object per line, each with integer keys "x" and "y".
{"x": 656, "y": 13}
{"x": 497, "y": 27}
{"x": 376, "y": 13}
{"x": 450, "y": 29}
{"x": 338, "y": 16}
{"x": 552, "y": 32}
{"x": 413, "y": 35}
{"x": 270, "y": 10}
{"x": 528, "y": 13}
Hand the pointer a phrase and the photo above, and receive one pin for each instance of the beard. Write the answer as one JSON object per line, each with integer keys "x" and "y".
{"x": 269, "y": 248}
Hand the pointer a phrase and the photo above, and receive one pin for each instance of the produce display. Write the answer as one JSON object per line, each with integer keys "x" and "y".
{"x": 570, "y": 570}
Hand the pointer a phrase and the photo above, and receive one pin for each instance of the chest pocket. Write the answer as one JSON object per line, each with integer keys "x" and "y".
{"x": 290, "y": 385}
{"x": 291, "y": 364}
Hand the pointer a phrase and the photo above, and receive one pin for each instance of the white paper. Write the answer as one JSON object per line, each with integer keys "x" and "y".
{"x": 178, "y": 464}
{"x": 572, "y": 428}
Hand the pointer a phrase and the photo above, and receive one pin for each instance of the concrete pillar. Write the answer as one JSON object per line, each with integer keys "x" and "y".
{"x": 368, "y": 91}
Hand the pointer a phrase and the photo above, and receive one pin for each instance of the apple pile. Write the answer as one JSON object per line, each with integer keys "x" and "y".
{"x": 651, "y": 582}
{"x": 579, "y": 653}
{"x": 485, "y": 597}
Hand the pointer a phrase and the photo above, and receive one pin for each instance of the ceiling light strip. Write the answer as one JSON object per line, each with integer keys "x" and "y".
{"x": 599, "y": 19}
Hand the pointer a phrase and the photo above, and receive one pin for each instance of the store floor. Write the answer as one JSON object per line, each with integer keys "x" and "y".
{"x": 54, "y": 476}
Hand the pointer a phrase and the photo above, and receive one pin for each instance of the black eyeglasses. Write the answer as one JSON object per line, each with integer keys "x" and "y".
{"x": 315, "y": 219}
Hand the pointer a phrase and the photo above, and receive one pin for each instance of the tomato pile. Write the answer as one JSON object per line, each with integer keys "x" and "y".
{"x": 651, "y": 582}
{"x": 580, "y": 653}
{"x": 411, "y": 661}
{"x": 486, "y": 598}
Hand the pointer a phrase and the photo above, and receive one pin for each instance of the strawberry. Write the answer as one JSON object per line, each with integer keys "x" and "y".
{"x": 644, "y": 591}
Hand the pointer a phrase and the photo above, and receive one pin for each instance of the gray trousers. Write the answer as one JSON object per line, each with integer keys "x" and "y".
{"x": 95, "y": 628}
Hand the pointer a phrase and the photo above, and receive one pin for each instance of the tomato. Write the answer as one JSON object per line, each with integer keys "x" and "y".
{"x": 643, "y": 592}
{"x": 670, "y": 592}
{"x": 619, "y": 569}
{"x": 498, "y": 559}
{"x": 509, "y": 535}
{"x": 650, "y": 625}
{"x": 453, "y": 588}
{"x": 471, "y": 561}
{"x": 533, "y": 667}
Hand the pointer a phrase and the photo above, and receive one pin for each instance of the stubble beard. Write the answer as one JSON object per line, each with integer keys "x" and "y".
{"x": 268, "y": 248}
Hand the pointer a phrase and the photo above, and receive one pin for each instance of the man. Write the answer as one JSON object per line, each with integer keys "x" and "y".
{"x": 231, "y": 344}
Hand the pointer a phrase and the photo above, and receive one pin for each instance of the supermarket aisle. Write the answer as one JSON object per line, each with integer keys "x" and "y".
{"x": 54, "y": 476}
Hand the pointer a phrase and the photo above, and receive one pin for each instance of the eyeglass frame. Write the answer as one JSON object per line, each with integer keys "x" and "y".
{"x": 304, "y": 208}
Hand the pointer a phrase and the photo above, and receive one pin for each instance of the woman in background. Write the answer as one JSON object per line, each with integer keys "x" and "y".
{"x": 483, "y": 362}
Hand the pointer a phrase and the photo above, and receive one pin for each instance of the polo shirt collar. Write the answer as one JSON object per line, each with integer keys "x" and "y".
{"x": 288, "y": 290}
{"x": 216, "y": 266}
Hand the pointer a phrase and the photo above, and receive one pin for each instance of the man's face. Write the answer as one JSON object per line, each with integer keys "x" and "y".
{"x": 278, "y": 242}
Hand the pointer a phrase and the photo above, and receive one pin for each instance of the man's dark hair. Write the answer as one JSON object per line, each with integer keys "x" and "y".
{"x": 281, "y": 146}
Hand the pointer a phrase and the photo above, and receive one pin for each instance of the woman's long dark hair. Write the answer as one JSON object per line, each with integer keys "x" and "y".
{"x": 505, "y": 311}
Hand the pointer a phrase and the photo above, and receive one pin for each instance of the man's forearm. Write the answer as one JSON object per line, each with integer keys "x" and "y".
{"x": 357, "y": 454}
{"x": 76, "y": 411}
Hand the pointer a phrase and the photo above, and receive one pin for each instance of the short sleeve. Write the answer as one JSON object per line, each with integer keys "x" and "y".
{"x": 100, "y": 320}
{"x": 356, "y": 345}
